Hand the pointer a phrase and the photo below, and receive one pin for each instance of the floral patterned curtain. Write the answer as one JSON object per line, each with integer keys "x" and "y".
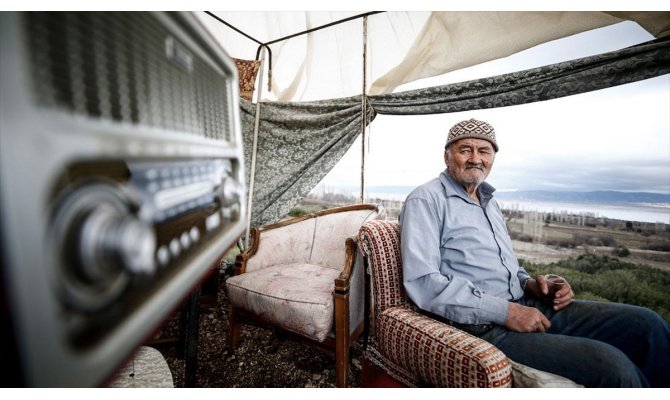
{"x": 299, "y": 143}
{"x": 583, "y": 75}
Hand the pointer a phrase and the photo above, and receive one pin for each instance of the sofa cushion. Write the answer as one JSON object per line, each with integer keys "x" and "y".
{"x": 297, "y": 297}
{"x": 527, "y": 377}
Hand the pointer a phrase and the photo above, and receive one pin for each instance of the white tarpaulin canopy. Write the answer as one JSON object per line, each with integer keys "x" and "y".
{"x": 401, "y": 47}
{"x": 321, "y": 88}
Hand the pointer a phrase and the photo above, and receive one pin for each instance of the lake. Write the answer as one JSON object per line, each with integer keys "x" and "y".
{"x": 656, "y": 212}
{"x": 626, "y": 212}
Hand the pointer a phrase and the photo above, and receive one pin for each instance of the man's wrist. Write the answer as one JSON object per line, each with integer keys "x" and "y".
{"x": 530, "y": 287}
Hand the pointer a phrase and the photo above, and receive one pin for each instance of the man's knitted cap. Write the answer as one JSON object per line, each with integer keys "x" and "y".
{"x": 472, "y": 128}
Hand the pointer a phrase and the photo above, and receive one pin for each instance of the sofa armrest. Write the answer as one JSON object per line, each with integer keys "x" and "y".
{"x": 438, "y": 354}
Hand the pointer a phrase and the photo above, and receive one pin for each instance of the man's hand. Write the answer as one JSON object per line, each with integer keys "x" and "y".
{"x": 560, "y": 295}
{"x": 525, "y": 319}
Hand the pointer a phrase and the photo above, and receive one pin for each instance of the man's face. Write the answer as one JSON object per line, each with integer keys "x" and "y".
{"x": 469, "y": 161}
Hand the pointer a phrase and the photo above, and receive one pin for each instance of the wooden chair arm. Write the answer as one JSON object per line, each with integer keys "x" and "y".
{"x": 343, "y": 281}
{"x": 242, "y": 258}
{"x": 240, "y": 264}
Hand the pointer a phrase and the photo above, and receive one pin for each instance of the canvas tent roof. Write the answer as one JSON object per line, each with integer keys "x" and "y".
{"x": 401, "y": 46}
{"x": 314, "y": 107}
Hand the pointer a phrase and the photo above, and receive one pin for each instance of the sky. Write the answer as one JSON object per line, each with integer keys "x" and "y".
{"x": 612, "y": 139}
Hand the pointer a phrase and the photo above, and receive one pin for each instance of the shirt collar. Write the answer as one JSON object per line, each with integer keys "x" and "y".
{"x": 453, "y": 188}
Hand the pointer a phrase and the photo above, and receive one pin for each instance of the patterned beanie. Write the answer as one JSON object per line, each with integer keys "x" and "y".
{"x": 472, "y": 128}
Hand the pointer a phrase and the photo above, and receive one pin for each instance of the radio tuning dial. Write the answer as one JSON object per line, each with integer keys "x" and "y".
{"x": 102, "y": 245}
{"x": 229, "y": 191}
{"x": 110, "y": 240}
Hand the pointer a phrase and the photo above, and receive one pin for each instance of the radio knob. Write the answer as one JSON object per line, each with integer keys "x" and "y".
{"x": 229, "y": 191}
{"x": 123, "y": 239}
{"x": 102, "y": 245}
{"x": 106, "y": 236}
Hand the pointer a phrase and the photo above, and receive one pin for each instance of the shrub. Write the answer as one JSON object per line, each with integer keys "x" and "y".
{"x": 567, "y": 243}
{"x": 303, "y": 209}
{"x": 608, "y": 241}
{"x": 622, "y": 251}
{"x": 298, "y": 212}
{"x": 521, "y": 237}
{"x": 604, "y": 278}
{"x": 658, "y": 246}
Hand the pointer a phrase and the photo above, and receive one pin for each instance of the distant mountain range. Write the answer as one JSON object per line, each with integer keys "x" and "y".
{"x": 601, "y": 196}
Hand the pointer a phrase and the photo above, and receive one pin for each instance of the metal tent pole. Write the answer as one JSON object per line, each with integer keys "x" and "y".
{"x": 364, "y": 104}
{"x": 254, "y": 148}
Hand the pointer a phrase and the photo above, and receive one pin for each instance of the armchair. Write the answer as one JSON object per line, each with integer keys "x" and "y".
{"x": 411, "y": 349}
{"x": 303, "y": 277}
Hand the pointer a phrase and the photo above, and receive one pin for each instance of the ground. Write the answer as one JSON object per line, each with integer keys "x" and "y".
{"x": 541, "y": 253}
{"x": 260, "y": 360}
{"x": 263, "y": 360}
{"x": 544, "y": 254}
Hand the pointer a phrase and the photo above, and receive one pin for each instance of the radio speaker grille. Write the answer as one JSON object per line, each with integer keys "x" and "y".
{"x": 125, "y": 67}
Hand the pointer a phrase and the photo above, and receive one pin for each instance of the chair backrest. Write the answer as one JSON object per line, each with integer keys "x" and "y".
{"x": 379, "y": 241}
{"x": 316, "y": 238}
{"x": 286, "y": 242}
{"x": 332, "y": 229}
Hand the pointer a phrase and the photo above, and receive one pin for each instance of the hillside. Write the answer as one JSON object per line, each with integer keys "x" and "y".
{"x": 600, "y": 197}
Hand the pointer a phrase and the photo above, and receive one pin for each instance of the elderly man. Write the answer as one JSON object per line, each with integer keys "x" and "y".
{"x": 459, "y": 267}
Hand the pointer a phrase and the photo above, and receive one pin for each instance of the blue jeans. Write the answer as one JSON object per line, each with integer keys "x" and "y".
{"x": 594, "y": 344}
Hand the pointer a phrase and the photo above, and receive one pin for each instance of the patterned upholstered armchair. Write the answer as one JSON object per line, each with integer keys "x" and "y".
{"x": 305, "y": 278}
{"x": 411, "y": 349}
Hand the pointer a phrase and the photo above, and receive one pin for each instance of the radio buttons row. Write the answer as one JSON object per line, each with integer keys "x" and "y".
{"x": 176, "y": 246}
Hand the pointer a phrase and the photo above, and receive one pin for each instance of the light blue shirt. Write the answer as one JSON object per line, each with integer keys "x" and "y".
{"x": 457, "y": 255}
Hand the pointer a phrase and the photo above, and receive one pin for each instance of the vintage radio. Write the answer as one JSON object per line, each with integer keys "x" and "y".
{"x": 121, "y": 184}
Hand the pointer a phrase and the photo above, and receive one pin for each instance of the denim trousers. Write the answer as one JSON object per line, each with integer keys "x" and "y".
{"x": 595, "y": 344}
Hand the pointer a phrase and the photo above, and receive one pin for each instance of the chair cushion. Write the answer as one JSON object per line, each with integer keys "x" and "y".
{"x": 297, "y": 297}
{"x": 527, "y": 377}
